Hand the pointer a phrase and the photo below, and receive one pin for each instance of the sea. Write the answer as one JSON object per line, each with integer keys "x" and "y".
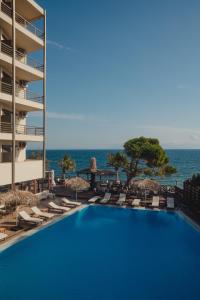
{"x": 187, "y": 162}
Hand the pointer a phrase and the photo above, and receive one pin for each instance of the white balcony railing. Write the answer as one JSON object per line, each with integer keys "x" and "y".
{"x": 21, "y": 57}
{"x": 21, "y": 93}
{"x": 22, "y": 21}
{"x": 21, "y": 129}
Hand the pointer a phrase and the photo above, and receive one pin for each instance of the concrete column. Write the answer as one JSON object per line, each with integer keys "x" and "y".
{"x": 13, "y": 95}
{"x": 0, "y": 152}
{"x": 44, "y": 99}
{"x": 1, "y": 33}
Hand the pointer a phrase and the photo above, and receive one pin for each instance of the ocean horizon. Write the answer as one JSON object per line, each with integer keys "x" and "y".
{"x": 187, "y": 162}
{"x": 118, "y": 149}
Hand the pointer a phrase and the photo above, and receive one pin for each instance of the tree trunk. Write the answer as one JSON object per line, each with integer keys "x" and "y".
{"x": 93, "y": 181}
{"x": 117, "y": 176}
{"x": 129, "y": 178}
{"x": 63, "y": 174}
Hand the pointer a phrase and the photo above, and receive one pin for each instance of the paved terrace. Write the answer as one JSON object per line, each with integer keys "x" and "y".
{"x": 9, "y": 226}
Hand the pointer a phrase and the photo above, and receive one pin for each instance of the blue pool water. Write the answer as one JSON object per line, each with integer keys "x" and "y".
{"x": 104, "y": 253}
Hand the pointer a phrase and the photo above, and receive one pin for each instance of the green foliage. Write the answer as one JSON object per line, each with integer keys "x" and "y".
{"x": 168, "y": 170}
{"x": 195, "y": 180}
{"x": 66, "y": 164}
{"x": 142, "y": 156}
{"x": 117, "y": 161}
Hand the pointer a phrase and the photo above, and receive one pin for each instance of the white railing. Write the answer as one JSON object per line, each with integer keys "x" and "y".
{"x": 20, "y": 92}
{"x": 21, "y": 129}
{"x": 20, "y": 56}
{"x": 22, "y": 21}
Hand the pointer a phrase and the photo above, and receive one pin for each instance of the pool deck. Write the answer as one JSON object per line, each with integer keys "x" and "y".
{"x": 22, "y": 234}
{"x": 9, "y": 222}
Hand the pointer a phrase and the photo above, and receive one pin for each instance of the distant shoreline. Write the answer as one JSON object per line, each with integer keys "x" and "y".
{"x": 69, "y": 149}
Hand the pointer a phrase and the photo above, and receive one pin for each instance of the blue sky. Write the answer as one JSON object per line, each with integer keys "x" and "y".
{"x": 120, "y": 69}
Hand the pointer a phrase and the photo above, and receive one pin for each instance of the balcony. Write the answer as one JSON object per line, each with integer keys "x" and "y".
{"x": 23, "y": 132}
{"x": 26, "y": 100}
{"x": 24, "y": 171}
{"x": 25, "y": 59}
{"x": 28, "y": 36}
{"x": 26, "y": 68}
{"x": 29, "y": 9}
{"x": 22, "y": 21}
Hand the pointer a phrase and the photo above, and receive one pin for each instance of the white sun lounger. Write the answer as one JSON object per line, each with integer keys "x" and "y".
{"x": 155, "y": 201}
{"x": 70, "y": 203}
{"x": 94, "y": 199}
{"x": 136, "y": 202}
{"x": 58, "y": 208}
{"x": 42, "y": 214}
{"x": 25, "y": 217}
{"x": 122, "y": 199}
{"x": 170, "y": 203}
{"x": 2, "y": 208}
{"x": 3, "y": 236}
{"x": 106, "y": 198}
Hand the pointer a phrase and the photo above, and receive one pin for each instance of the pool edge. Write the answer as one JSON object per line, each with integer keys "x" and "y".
{"x": 189, "y": 220}
{"x": 22, "y": 236}
{"x": 33, "y": 231}
{"x": 179, "y": 212}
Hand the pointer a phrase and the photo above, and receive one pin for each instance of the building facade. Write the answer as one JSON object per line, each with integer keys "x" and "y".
{"x": 22, "y": 90}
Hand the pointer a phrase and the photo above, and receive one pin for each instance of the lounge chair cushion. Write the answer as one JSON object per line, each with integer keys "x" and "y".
{"x": 58, "y": 207}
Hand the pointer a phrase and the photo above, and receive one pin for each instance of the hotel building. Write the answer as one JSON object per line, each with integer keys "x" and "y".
{"x": 23, "y": 36}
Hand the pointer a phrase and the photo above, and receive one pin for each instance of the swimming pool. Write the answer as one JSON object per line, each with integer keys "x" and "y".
{"x": 105, "y": 253}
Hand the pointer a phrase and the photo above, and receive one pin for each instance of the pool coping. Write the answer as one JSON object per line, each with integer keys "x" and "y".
{"x": 25, "y": 234}
{"x": 189, "y": 220}
{"x": 179, "y": 212}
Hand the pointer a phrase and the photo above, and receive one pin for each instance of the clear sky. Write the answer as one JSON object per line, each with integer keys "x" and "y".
{"x": 123, "y": 68}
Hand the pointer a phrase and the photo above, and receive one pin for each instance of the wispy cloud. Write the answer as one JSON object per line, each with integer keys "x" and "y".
{"x": 75, "y": 117}
{"x": 59, "y": 45}
{"x": 60, "y": 116}
{"x": 180, "y": 86}
{"x": 173, "y": 136}
{"x": 195, "y": 137}
{"x": 169, "y": 128}
{"x": 71, "y": 117}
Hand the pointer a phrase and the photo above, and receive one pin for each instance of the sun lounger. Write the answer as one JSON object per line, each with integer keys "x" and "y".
{"x": 106, "y": 198}
{"x": 2, "y": 209}
{"x": 122, "y": 199}
{"x": 94, "y": 199}
{"x": 136, "y": 202}
{"x": 155, "y": 201}
{"x": 42, "y": 214}
{"x": 58, "y": 208}
{"x": 27, "y": 218}
{"x": 170, "y": 203}
{"x": 70, "y": 203}
{"x": 3, "y": 236}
